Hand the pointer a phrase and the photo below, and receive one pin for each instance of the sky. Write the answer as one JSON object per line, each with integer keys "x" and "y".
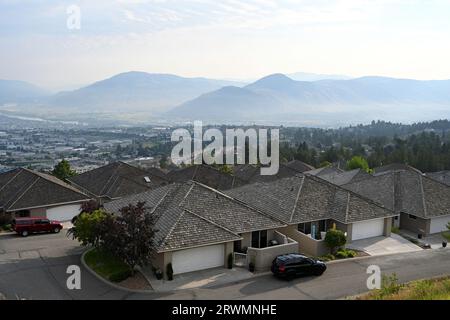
{"x": 226, "y": 39}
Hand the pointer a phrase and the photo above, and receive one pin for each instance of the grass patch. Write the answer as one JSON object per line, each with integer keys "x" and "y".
{"x": 107, "y": 265}
{"x": 431, "y": 289}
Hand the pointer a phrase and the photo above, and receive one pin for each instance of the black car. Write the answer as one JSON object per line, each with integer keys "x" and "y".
{"x": 293, "y": 265}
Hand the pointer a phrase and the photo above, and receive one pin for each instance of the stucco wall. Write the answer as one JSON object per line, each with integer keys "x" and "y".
{"x": 417, "y": 225}
{"x": 38, "y": 212}
{"x": 262, "y": 258}
{"x": 306, "y": 244}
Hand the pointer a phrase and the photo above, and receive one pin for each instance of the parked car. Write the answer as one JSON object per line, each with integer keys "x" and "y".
{"x": 26, "y": 226}
{"x": 293, "y": 265}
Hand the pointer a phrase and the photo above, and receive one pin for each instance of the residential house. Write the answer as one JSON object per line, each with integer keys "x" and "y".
{"x": 422, "y": 204}
{"x": 25, "y": 193}
{"x": 207, "y": 175}
{"x": 442, "y": 176}
{"x": 199, "y": 227}
{"x": 310, "y": 206}
{"x": 116, "y": 180}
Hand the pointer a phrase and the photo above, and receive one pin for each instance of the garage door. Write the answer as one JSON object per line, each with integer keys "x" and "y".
{"x": 439, "y": 224}
{"x": 63, "y": 213}
{"x": 367, "y": 229}
{"x": 198, "y": 259}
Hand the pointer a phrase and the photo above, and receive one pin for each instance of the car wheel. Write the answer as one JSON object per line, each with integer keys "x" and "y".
{"x": 56, "y": 230}
{"x": 24, "y": 233}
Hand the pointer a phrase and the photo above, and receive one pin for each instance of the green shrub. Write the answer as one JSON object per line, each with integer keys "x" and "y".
{"x": 395, "y": 230}
{"x": 169, "y": 271}
{"x": 6, "y": 227}
{"x": 389, "y": 285}
{"x": 334, "y": 239}
{"x": 327, "y": 257}
{"x": 341, "y": 254}
{"x": 230, "y": 261}
{"x": 120, "y": 275}
{"x": 351, "y": 253}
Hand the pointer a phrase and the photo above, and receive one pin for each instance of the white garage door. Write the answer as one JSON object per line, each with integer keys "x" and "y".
{"x": 63, "y": 213}
{"x": 198, "y": 258}
{"x": 439, "y": 224}
{"x": 367, "y": 229}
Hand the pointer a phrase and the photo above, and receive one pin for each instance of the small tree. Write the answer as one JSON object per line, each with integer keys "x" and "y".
{"x": 358, "y": 162}
{"x": 63, "y": 170}
{"x": 335, "y": 239}
{"x": 87, "y": 228}
{"x": 130, "y": 235}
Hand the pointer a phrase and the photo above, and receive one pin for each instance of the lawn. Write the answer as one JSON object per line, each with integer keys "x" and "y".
{"x": 107, "y": 265}
{"x": 432, "y": 289}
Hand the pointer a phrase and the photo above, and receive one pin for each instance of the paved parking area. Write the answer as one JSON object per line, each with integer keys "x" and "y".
{"x": 199, "y": 279}
{"x": 384, "y": 245}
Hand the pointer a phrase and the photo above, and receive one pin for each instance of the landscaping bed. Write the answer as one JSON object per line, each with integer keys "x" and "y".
{"x": 110, "y": 268}
{"x": 430, "y": 289}
{"x": 343, "y": 254}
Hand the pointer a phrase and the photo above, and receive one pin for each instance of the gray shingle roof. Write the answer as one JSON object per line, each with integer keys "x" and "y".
{"x": 442, "y": 176}
{"x": 341, "y": 178}
{"x": 252, "y": 173}
{"x": 116, "y": 180}
{"x": 299, "y": 166}
{"x": 207, "y": 175}
{"x": 324, "y": 171}
{"x": 406, "y": 191}
{"x": 24, "y": 189}
{"x": 306, "y": 198}
{"x": 217, "y": 217}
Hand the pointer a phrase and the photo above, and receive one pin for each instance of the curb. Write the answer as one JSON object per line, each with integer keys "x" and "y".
{"x": 9, "y": 233}
{"x": 105, "y": 281}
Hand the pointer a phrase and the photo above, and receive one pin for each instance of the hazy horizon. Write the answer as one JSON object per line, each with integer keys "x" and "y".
{"x": 232, "y": 39}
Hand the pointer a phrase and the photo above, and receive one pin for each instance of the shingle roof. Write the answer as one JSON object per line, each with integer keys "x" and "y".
{"x": 394, "y": 167}
{"x": 341, "y": 178}
{"x": 299, "y": 166}
{"x": 207, "y": 175}
{"x": 192, "y": 214}
{"x": 116, "y": 180}
{"x": 306, "y": 198}
{"x": 22, "y": 189}
{"x": 406, "y": 191}
{"x": 324, "y": 171}
{"x": 442, "y": 176}
{"x": 252, "y": 173}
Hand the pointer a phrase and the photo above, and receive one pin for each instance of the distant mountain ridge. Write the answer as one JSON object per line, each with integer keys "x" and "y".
{"x": 137, "y": 91}
{"x": 277, "y": 95}
{"x": 15, "y": 91}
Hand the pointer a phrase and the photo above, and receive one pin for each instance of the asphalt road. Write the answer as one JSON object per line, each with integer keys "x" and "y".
{"x": 35, "y": 268}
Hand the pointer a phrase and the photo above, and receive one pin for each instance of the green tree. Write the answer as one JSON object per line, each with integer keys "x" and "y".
{"x": 88, "y": 229}
{"x": 63, "y": 170}
{"x": 335, "y": 239}
{"x": 358, "y": 162}
{"x": 446, "y": 234}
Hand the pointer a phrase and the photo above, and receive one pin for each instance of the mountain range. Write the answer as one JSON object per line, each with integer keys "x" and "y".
{"x": 277, "y": 97}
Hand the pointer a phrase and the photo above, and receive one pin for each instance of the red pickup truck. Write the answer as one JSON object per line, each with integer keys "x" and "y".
{"x": 25, "y": 226}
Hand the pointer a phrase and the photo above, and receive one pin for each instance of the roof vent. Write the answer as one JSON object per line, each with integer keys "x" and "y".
{"x": 147, "y": 179}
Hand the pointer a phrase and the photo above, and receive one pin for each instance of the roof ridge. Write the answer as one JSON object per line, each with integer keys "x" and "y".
{"x": 19, "y": 171}
{"x": 241, "y": 203}
{"x": 422, "y": 191}
{"x": 320, "y": 180}
{"x": 102, "y": 192}
{"x": 296, "y": 199}
{"x": 347, "y": 207}
{"x": 26, "y": 189}
{"x": 212, "y": 222}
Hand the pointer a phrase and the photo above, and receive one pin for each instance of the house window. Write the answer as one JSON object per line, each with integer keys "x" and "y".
{"x": 238, "y": 246}
{"x": 305, "y": 227}
{"x": 412, "y": 217}
{"x": 259, "y": 239}
{"x": 322, "y": 225}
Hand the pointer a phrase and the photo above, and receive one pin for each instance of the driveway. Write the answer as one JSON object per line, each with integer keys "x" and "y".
{"x": 384, "y": 245}
{"x": 35, "y": 268}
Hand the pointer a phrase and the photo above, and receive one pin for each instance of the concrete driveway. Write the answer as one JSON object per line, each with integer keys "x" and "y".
{"x": 384, "y": 245}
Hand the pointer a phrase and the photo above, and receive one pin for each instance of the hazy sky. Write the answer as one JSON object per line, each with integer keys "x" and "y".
{"x": 223, "y": 38}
